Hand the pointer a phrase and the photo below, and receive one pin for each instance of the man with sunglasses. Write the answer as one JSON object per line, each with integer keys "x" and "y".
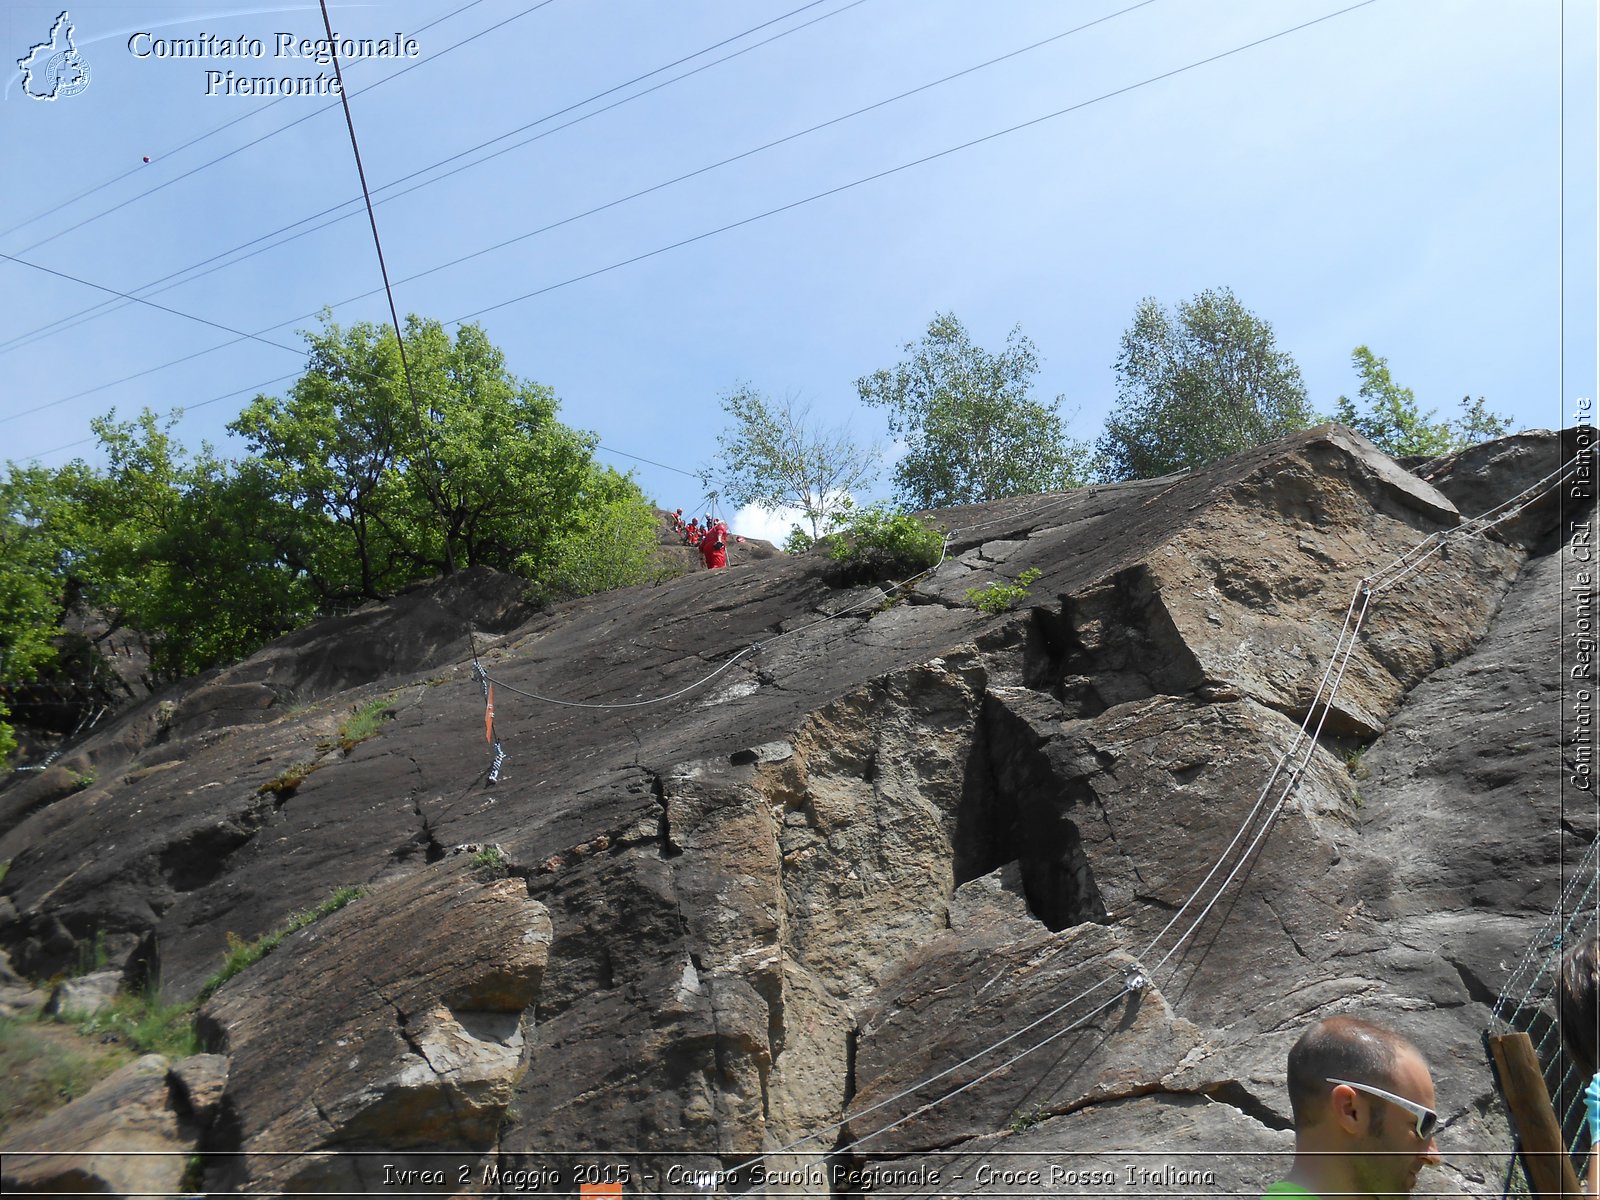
{"x": 1364, "y": 1114}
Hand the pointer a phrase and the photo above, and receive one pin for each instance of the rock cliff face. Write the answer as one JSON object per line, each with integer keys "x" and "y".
{"x": 901, "y": 886}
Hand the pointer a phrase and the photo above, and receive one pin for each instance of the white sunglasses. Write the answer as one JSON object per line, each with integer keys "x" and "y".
{"x": 1427, "y": 1119}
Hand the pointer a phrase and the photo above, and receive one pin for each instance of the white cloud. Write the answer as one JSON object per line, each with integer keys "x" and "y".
{"x": 774, "y": 527}
{"x": 752, "y": 521}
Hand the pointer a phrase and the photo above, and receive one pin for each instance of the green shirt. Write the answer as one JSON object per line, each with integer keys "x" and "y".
{"x": 1283, "y": 1190}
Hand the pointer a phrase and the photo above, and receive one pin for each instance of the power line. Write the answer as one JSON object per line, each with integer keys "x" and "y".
{"x": 591, "y": 211}
{"x": 203, "y": 403}
{"x": 242, "y": 391}
{"x": 651, "y": 461}
{"x": 194, "y": 141}
{"x": 176, "y": 411}
{"x": 283, "y": 128}
{"x": 700, "y": 170}
{"x": 876, "y": 175}
{"x": 383, "y": 269}
{"x": 842, "y": 187}
{"x": 927, "y": 158}
{"x": 256, "y": 388}
{"x": 73, "y": 320}
{"x": 609, "y": 204}
{"x": 243, "y": 336}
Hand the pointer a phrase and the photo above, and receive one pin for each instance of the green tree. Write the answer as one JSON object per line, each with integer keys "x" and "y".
{"x": 477, "y": 471}
{"x": 508, "y": 480}
{"x": 970, "y": 430}
{"x": 876, "y": 542}
{"x": 39, "y": 528}
{"x": 351, "y": 493}
{"x": 188, "y": 551}
{"x": 1393, "y": 421}
{"x": 610, "y": 543}
{"x": 333, "y": 450}
{"x": 776, "y": 457}
{"x": 1478, "y": 424}
{"x": 1196, "y": 386}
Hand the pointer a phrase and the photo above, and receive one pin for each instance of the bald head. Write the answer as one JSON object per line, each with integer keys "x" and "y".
{"x": 1341, "y": 1048}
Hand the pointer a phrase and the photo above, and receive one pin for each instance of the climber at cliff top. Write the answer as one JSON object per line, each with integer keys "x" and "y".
{"x": 1364, "y": 1113}
{"x": 714, "y": 546}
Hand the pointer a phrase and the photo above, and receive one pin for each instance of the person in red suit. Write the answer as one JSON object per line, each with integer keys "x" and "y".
{"x": 714, "y": 546}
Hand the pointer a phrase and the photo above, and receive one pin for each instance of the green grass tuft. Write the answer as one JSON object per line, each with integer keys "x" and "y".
{"x": 1002, "y": 597}
{"x": 878, "y": 541}
{"x": 1027, "y": 1120}
{"x": 42, "y": 1068}
{"x": 141, "y": 1022}
{"x": 490, "y": 857}
{"x": 92, "y": 954}
{"x": 242, "y": 954}
{"x": 363, "y": 723}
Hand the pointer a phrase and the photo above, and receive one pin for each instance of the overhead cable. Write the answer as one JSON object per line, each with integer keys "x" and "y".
{"x": 430, "y": 477}
{"x": 84, "y": 316}
{"x": 422, "y": 62}
{"x": 100, "y": 387}
{"x": 906, "y": 166}
{"x": 69, "y": 322}
{"x": 194, "y": 141}
{"x": 892, "y": 170}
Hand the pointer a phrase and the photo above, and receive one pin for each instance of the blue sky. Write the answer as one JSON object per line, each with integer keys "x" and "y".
{"x": 1392, "y": 176}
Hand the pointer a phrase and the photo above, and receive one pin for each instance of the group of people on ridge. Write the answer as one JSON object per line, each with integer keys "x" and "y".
{"x": 711, "y": 539}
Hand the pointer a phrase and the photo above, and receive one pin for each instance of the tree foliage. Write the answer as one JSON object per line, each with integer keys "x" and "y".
{"x": 478, "y": 472}
{"x": 185, "y": 549}
{"x": 970, "y": 430}
{"x": 774, "y": 456}
{"x": 1393, "y": 421}
{"x": 1478, "y": 424}
{"x": 350, "y": 491}
{"x": 39, "y": 527}
{"x": 1197, "y": 385}
{"x": 610, "y": 543}
{"x": 876, "y": 542}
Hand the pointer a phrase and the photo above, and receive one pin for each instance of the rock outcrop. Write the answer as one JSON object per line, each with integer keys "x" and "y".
{"x": 134, "y": 1134}
{"x": 886, "y": 886}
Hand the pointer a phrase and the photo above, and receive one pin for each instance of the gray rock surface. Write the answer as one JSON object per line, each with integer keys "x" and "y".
{"x": 18, "y": 997}
{"x": 85, "y": 995}
{"x": 842, "y": 891}
{"x": 1480, "y": 478}
{"x": 398, "y": 1022}
{"x": 125, "y": 1137}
